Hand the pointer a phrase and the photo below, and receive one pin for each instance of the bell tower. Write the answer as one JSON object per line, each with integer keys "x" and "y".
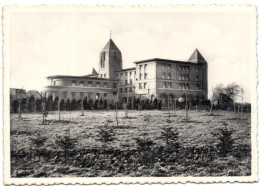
{"x": 110, "y": 60}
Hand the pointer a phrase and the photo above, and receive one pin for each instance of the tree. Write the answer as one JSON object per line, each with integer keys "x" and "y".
{"x": 44, "y": 111}
{"x": 171, "y": 138}
{"x": 217, "y": 90}
{"x": 31, "y": 104}
{"x": 232, "y": 90}
{"x": 225, "y": 140}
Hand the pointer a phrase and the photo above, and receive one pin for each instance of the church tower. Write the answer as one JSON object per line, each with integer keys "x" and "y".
{"x": 110, "y": 60}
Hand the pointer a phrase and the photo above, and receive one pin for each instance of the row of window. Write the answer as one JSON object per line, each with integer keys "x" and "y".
{"x": 181, "y": 85}
{"x": 90, "y": 84}
{"x": 126, "y": 90}
{"x": 103, "y": 75}
{"x": 126, "y": 82}
{"x": 180, "y": 67}
{"x": 125, "y": 73}
{"x": 141, "y": 67}
{"x": 88, "y": 94}
{"x": 141, "y": 76}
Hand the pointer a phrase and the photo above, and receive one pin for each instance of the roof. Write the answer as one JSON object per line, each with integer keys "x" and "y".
{"x": 196, "y": 57}
{"x": 126, "y": 69}
{"x": 110, "y": 45}
{"x": 78, "y": 77}
{"x": 94, "y": 71}
{"x": 164, "y": 60}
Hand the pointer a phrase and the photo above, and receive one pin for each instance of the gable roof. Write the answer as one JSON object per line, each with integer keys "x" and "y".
{"x": 110, "y": 45}
{"x": 196, "y": 57}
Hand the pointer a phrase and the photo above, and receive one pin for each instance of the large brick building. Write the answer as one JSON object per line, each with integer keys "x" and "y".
{"x": 148, "y": 79}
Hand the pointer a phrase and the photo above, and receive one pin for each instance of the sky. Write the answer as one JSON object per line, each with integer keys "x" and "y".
{"x": 48, "y": 43}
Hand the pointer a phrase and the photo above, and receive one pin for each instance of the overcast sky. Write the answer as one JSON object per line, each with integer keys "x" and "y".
{"x": 68, "y": 43}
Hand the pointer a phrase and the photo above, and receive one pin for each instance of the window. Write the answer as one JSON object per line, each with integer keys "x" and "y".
{"x": 114, "y": 93}
{"x": 169, "y": 85}
{"x": 121, "y": 90}
{"x": 197, "y": 86}
{"x": 140, "y": 76}
{"x": 197, "y": 77}
{"x": 145, "y": 85}
{"x": 164, "y": 84}
{"x": 183, "y": 77}
{"x": 73, "y": 95}
{"x": 145, "y": 67}
{"x": 104, "y": 75}
{"x": 163, "y": 66}
{"x": 89, "y": 94}
{"x": 97, "y": 95}
{"x": 140, "y": 86}
{"x": 145, "y": 75}
{"x": 130, "y": 73}
{"x": 163, "y": 75}
{"x": 82, "y": 83}
{"x": 187, "y": 86}
{"x": 101, "y": 75}
{"x": 140, "y": 67}
{"x": 90, "y": 84}
{"x": 114, "y": 85}
{"x": 179, "y": 77}
{"x": 125, "y": 90}
{"x": 180, "y": 68}
{"x": 169, "y": 76}
{"x": 135, "y": 72}
{"x": 97, "y": 84}
{"x": 54, "y": 83}
{"x": 105, "y": 84}
{"x": 81, "y": 94}
{"x": 130, "y": 89}
{"x": 126, "y": 82}
{"x": 169, "y": 66}
{"x": 187, "y": 77}
{"x": 105, "y": 94}
{"x": 131, "y": 81}
{"x": 125, "y": 73}
{"x": 73, "y": 83}
{"x": 121, "y": 74}
{"x": 103, "y": 57}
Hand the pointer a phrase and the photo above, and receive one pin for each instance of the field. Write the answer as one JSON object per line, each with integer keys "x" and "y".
{"x": 138, "y": 148}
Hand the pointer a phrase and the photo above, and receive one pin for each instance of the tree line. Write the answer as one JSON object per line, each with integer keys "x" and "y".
{"x": 33, "y": 104}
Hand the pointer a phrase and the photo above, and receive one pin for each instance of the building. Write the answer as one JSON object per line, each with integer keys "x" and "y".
{"x": 150, "y": 78}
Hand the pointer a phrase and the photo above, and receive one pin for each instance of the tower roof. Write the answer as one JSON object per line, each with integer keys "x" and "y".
{"x": 110, "y": 45}
{"x": 94, "y": 71}
{"x": 196, "y": 57}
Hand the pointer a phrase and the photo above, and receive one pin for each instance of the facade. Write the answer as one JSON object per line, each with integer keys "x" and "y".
{"x": 149, "y": 79}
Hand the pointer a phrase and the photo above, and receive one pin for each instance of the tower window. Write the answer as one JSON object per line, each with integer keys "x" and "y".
{"x": 145, "y": 85}
{"x": 103, "y": 57}
{"x": 104, "y": 75}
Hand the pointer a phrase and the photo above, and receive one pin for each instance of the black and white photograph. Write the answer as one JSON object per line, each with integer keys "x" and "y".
{"x": 130, "y": 93}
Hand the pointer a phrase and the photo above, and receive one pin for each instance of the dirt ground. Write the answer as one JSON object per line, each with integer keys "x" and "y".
{"x": 196, "y": 132}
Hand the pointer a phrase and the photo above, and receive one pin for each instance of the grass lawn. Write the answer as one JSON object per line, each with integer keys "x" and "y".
{"x": 123, "y": 158}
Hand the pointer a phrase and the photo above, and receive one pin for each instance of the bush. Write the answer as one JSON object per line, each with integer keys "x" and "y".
{"x": 225, "y": 141}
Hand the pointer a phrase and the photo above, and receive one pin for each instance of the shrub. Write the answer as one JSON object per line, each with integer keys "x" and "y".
{"x": 171, "y": 139}
{"x": 105, "y": 135}
{"x": 66, "y": 143}
{"x": 225, "y": 141}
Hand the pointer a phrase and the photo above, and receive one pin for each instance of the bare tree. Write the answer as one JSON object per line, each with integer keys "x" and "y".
{"x": 232, "y": 90}
{"x": 44, "y": 112}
